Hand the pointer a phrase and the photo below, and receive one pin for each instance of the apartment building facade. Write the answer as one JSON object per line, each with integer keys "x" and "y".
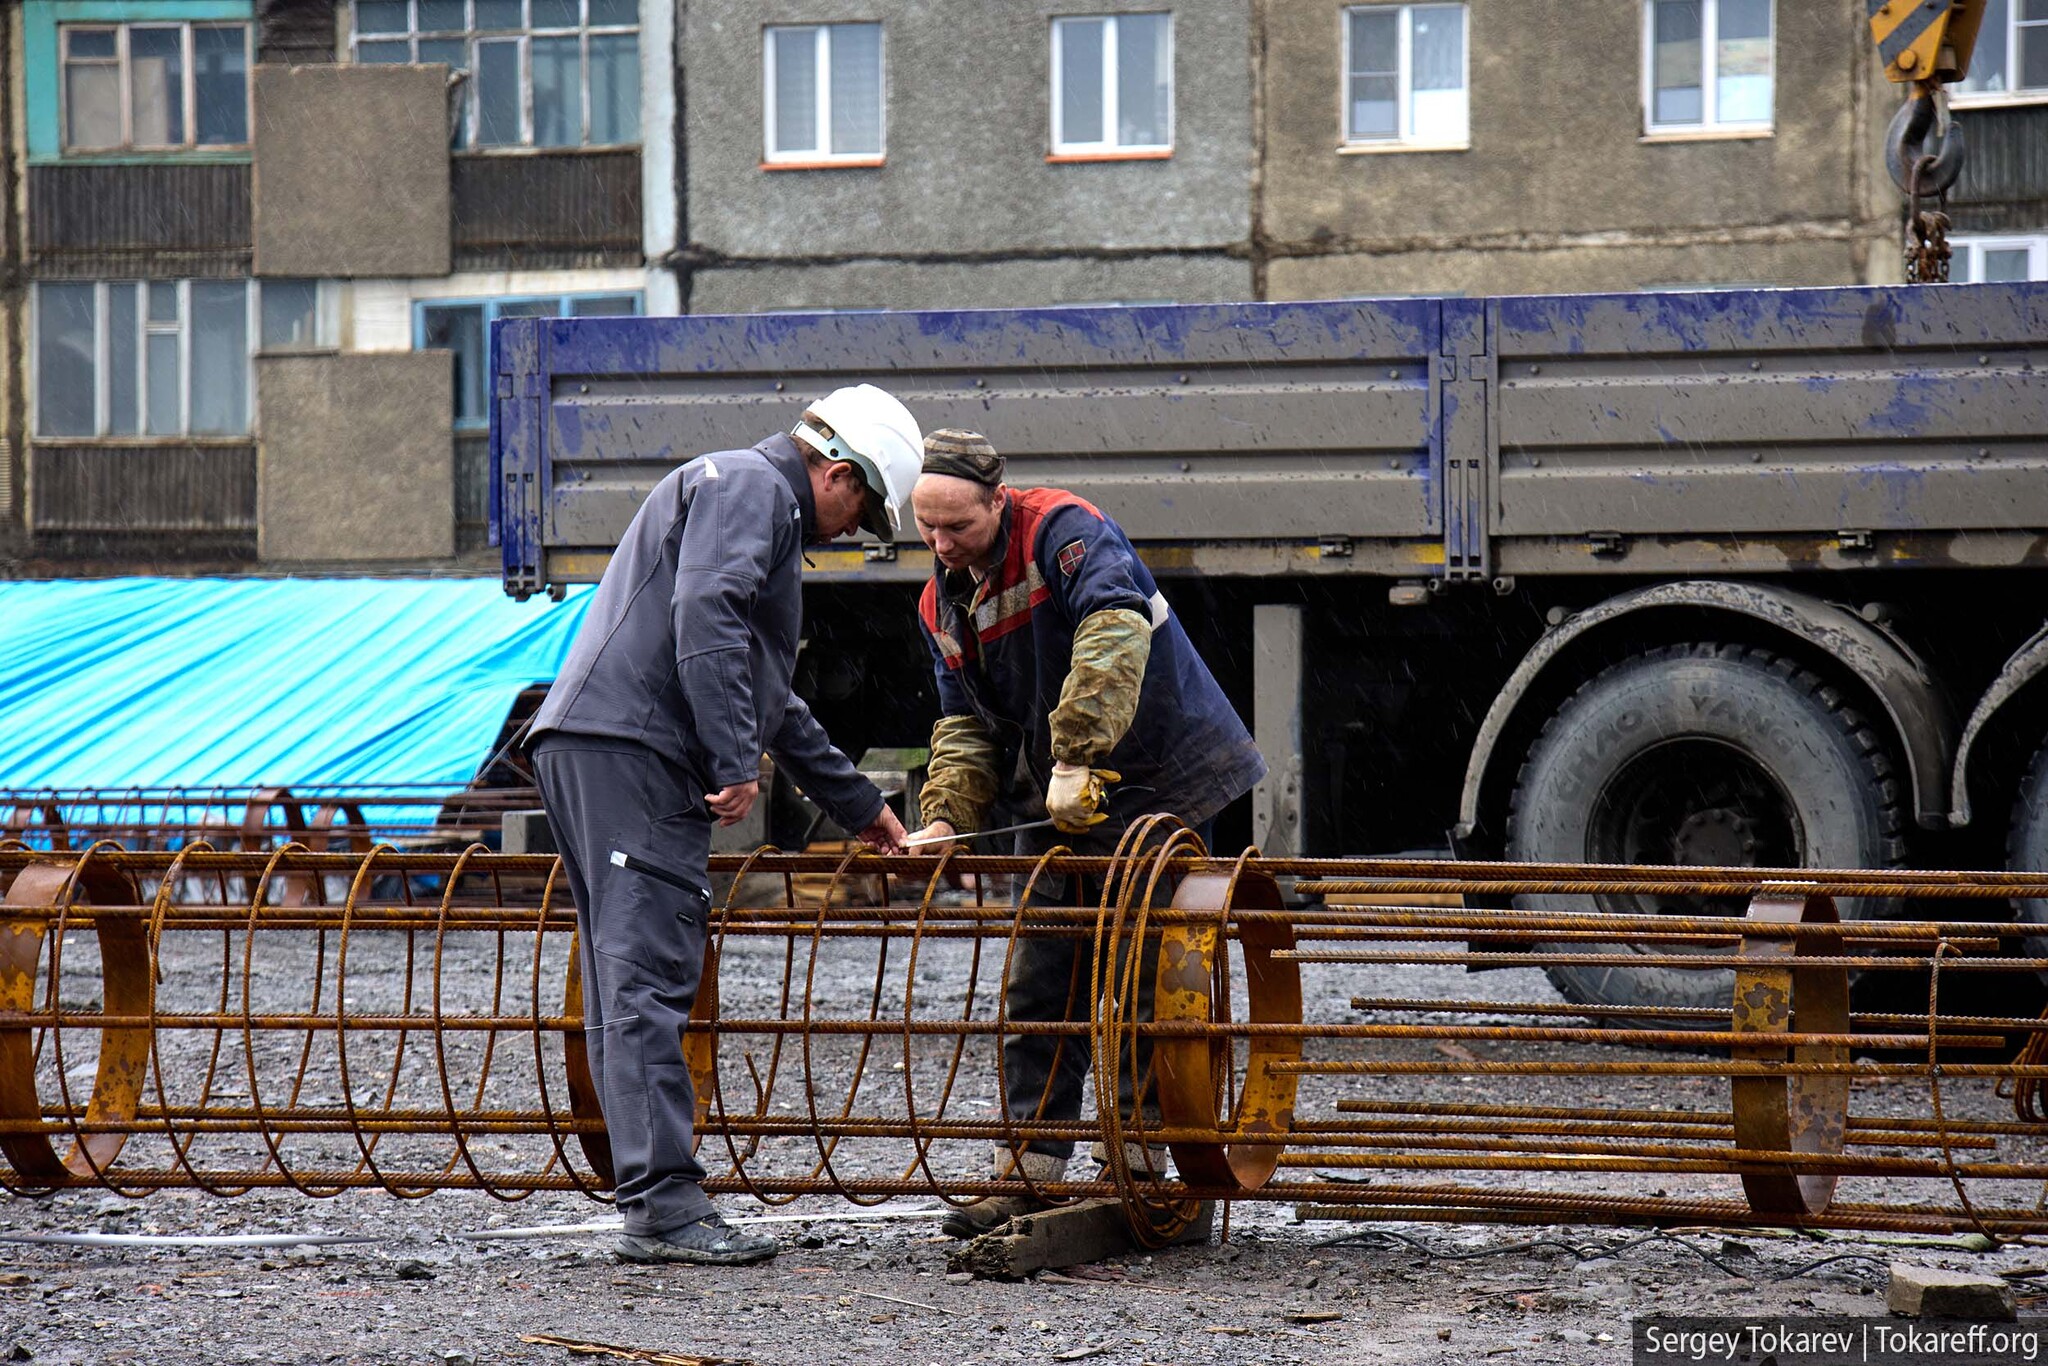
{"x": 1548, "y": 147}
{"x": 933, "y": 155}
{"x": 253, "y": 247}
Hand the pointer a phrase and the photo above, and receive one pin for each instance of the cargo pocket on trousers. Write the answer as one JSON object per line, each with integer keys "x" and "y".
{"x": 691, "y": 900}
{"x": 696, "y": 908}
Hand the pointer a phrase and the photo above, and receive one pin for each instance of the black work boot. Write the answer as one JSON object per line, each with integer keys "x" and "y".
{"x": 709, "y": 1241}
{"x": 991, "y": 1212}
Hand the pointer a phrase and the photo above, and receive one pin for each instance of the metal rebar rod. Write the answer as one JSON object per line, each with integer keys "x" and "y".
{"x": 2004, "y": 1024}
{"x": 1480, "y": 1067}
{"x": 1700, "y": 962}
{"x": 269, "y": 1018}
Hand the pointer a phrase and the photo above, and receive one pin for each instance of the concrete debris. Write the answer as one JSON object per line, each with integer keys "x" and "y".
{"x": 1932, "y": 1293}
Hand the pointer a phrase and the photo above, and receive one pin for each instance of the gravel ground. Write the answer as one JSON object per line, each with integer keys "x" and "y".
{"x": 845, "y": 1291}
{"x": 850, "y": 1285}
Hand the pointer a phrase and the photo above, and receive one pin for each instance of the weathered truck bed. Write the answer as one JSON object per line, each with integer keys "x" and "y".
{"x": 1724, "y": 432}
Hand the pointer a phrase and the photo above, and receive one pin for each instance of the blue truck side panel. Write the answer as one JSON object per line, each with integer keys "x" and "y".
{"x": 1443, "y": 428}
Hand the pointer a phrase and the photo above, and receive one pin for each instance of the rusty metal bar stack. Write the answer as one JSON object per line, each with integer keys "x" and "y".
{"x": 409, "y": 1023}
{"x": 320, "y": 817}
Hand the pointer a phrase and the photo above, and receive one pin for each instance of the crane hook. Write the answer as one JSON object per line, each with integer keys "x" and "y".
{"x": 1918, "y": 168}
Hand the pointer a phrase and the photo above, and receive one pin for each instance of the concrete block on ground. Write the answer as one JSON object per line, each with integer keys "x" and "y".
{"x": 526, "y": 832}
{"x": 1072, "y": 1235}
{"x": 1928, "y": 1292}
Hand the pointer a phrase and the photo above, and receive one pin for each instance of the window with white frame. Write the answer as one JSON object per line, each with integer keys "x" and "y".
{"x": 1985, "y": 260}
{"x": 1404, "y": 75}
{"x": 464, "y": 327}
{"x": 1707, "y": 65}
{"x": 822, "y": 94}
{"x": 164, "y": 358}
{"x": 1112, "y": 84}
{"x": 154, "y": 87}
{"x": 537, "y": 73}
{"x": 2012, "y": 51}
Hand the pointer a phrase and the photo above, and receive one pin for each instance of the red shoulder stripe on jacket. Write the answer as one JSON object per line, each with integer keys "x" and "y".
{"x": 1019, "y": 586}
{"x": 928, "y": 613}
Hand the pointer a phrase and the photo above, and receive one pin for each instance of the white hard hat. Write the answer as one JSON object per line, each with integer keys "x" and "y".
{"x": 875, "y": 433}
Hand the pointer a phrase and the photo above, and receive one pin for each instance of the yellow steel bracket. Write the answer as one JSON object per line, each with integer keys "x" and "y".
{"x": 1925, "y": 41}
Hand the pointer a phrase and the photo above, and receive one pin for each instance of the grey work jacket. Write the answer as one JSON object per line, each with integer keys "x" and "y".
{"x": 690, "y": 642}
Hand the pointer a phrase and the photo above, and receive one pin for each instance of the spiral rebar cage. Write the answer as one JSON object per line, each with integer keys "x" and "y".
{"x": 407, "y": 1023}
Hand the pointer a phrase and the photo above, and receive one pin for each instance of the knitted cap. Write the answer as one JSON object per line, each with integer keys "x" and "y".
{"x": 963, "y": 455}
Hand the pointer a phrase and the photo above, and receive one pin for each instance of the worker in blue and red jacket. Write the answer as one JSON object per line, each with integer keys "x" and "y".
{"x": 1058, "y": 660}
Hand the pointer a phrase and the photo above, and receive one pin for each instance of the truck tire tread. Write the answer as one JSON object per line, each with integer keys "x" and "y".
{"x": 1625, "y": 986}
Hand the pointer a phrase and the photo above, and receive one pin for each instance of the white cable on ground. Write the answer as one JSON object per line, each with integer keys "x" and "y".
{"x": 614, "y": 1225}
{"x": 478, "y": 1236}
{"x": 191, "y": 1240}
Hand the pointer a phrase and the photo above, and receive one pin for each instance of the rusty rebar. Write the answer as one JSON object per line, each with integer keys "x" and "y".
{"x": 328, "y": 1021}
{"x": 321, "y": 816}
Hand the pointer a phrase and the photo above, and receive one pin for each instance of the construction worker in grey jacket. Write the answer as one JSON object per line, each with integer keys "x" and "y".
{"x": 678, "y": 680}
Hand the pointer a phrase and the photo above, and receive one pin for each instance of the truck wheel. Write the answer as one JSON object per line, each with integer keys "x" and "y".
{"x": 1704, "y": 755}
{"x": 2026, "y": 845}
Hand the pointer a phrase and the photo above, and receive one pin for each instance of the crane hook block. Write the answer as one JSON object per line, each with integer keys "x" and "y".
{"x": 1913, "y": 144}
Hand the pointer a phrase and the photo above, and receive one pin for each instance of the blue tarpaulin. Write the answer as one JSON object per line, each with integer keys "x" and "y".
{"x": 188, "y": 683}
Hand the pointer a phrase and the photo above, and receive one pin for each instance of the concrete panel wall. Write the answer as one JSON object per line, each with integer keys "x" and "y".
{"x": 14, "y": 296}
{"x": 1569, "y": 269}
{"x": 357, "y": 461}
{"x": 1558, "y": 155}
{"x": 995, "y": 284}
{"x": 13, "y": 425}
{"x": 967, "y": 134}
{"x": 351, "y": 170}
{"x": 660, "y": 78}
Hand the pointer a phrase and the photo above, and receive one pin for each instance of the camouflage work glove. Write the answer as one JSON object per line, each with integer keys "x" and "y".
{"x": 960, "y": 784}
{"x": 1100, "y": 695}
{"x": 1075, "y": 797}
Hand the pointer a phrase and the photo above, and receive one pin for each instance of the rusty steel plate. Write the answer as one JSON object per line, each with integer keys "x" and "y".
{"x": 1195, "y": 1074}
{"x": 128, "y": 989}
{"x": 1798, "y": 1112}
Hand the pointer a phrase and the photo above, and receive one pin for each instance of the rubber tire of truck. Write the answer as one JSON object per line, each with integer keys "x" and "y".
{"x": 2026, "y": 845}
{"x": 1842, "y": 803}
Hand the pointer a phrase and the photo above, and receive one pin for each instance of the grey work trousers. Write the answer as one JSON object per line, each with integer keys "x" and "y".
{"x": 641, "y": 942}
{"x": 1050, "y": 977}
